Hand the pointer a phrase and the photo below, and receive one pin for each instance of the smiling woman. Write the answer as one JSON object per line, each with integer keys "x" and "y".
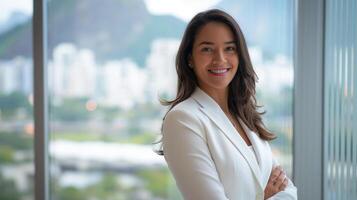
{"x": 104, "y": 79}
{"x": 214, "y": 57}
{"x": 214, "y": 140}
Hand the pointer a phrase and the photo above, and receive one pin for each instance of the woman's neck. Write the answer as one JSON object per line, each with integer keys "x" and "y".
{"x": 220, "y": 97}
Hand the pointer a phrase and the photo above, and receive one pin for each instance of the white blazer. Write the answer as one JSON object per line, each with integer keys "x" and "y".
{"x": 208, "y": 157}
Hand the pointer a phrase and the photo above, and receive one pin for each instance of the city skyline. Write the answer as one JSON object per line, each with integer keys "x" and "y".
{"x": 74, "y": 72}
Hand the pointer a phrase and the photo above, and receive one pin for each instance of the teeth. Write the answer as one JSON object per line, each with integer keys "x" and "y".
{"x": 218, "y": 71}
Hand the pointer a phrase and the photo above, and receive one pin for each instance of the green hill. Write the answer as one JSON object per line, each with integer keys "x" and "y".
{"x": 113, "y": 29}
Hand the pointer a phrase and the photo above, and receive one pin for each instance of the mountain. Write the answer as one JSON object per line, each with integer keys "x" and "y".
{"x": 113, "y": 29}
{"x": 265, "y": 23}
{"x": 15, "y": 18}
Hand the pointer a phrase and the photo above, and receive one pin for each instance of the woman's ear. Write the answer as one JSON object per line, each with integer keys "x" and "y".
{"x": 190, "y": 61}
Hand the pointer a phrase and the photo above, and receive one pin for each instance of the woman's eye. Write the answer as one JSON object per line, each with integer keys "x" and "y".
{"x": 206, "y": 49}
{"x": 231, "y": 49}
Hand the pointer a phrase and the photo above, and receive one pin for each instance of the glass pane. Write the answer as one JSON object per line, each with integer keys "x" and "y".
{"x": 106, "y": 60}
{"x": 109, "y": 61}
{"x": 340, "y": 100}
{"x": 16, "y": 101}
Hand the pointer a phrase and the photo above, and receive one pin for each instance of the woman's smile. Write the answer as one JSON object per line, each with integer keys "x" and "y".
{"x": 219, "y": 71}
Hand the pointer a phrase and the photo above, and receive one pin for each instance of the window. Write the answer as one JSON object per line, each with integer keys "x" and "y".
{"x": 340, "y": 100}
{"x": 16, "y": 101}
{"x": 109, "y": 61}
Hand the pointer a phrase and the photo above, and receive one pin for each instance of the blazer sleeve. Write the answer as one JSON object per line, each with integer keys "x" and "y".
{"x": 290, "y": 192}
{"x": 188, "y": 157}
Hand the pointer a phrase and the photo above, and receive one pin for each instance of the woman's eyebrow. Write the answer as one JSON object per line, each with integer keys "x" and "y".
{"x": 205, "y": 42}
{"x": 211, "y": 43}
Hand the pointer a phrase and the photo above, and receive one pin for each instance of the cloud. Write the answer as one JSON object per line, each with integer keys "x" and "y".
{"x": 183, "y": 9}
{"x": 10, "y": 6}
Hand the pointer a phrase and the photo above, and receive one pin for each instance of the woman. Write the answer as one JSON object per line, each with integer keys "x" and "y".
{"x": 214, "y": 140}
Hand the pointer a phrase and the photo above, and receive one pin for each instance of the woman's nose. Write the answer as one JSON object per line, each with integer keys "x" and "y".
{"x": 219, "y": 57}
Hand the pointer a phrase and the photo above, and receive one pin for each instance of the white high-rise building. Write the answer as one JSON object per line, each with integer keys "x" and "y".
{"x": 16, "y": 75}
{"x": 72, "y": 72}
{"x": 124, "y": 83}
{"x": 161, "y": 68}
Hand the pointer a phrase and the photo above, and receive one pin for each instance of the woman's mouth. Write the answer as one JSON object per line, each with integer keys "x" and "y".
{"x": 219, "y": 72}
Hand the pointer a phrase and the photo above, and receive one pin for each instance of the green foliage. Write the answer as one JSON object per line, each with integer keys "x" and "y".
{"x": 156, "y": 181}
{"x": 109, "y": 113}
{"x": 8, "y": 189}
{"x": 106, "y": 188}
{"x": 76, "y": 136}
{"x": 72, "y": 109}
{"x": 143, "y": 111}
{"x": 10, "y": 143}
{"x": 142, "y": 138}
{"x": 72, "y": 193}
{"x": 18, "y": 141}
{"x": 11, "y": 103}
{"x": 6, "y": 154}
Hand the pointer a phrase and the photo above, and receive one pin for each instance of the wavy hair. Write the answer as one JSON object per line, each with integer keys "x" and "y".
{"x": 241, "y": 97}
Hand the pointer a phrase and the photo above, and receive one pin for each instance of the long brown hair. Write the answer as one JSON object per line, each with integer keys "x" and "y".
{"x": 241, "y": 98}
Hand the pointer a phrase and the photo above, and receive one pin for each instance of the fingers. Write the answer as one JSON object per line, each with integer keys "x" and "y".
{"x": 277, "y": 182}
{"x": 284, "y": 184}
{"x": 275, "y": 173}
{"x": 278, "y": 179}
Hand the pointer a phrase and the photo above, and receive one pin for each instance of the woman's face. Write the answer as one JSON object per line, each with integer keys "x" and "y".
{"x": 214, "y": 57}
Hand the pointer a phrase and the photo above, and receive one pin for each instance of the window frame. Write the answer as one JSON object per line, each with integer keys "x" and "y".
{"x": 308, "y": 138}
{"x": 39, "y": 21}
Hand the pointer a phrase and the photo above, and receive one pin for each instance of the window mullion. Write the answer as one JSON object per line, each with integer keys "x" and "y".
{"x": 40, "y": 100}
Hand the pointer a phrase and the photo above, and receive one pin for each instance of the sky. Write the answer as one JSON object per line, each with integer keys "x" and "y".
{"x": 9, "y": 6}
{"x": 183, "y": 9}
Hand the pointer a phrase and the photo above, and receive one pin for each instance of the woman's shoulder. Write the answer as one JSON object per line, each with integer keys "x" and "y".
{"x": 185, "y": 116}
{"x": 187, "y": 105}
{"x": 188, "y": 109}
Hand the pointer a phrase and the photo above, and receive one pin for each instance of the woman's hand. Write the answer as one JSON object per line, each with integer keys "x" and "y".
{"x": 277, "y": 182}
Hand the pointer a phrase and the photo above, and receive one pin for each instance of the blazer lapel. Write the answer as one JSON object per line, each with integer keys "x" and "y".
{"x": 256, "y": 142}
{"x": 215, "y": 113}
